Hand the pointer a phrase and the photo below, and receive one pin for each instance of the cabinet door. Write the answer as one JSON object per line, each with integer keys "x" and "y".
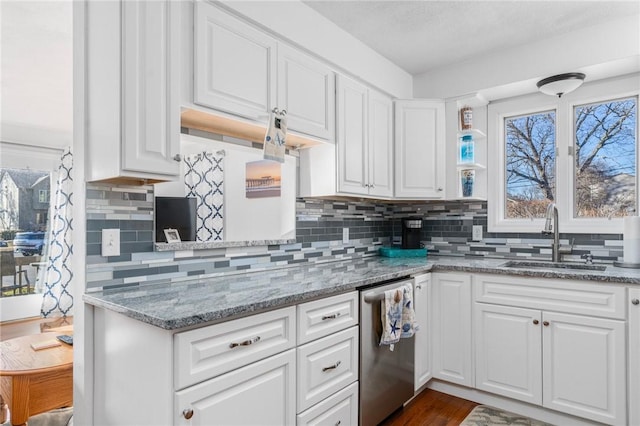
{"x": 451, "y": 307}
{"x": 421, "y": 301}
{"x": 150, "y": 87}
{"x": 508, "y": 345}
{"x": 584, "y": 366}
{"x": 306, "y": 89}
{"x": 235, "y": 64}
{"x": 380, "y": 145}
{"x": 420, "y": 149}
{"x": 262, "y": 393}
{"x": 341, "y": 409}
{"x": 634, "y": 356}
{"x": 352, "y": 137}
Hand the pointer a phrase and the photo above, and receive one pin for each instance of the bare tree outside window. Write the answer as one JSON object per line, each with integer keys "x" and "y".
{"x": 605, "y": 160}
{"x": 530, "y": 164}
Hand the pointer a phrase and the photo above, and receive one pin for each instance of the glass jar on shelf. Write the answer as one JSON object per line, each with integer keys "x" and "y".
{"x": 466, "y": 148}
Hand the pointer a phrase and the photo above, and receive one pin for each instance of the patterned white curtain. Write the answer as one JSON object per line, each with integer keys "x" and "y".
{"x": 204, "y": 179}
{"x": 57, "y": 300}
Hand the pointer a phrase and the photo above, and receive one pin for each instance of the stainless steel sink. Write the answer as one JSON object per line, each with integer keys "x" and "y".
{"x": 527, "y": 264}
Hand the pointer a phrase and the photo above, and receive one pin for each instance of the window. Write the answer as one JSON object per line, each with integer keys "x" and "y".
{"x": 43, "y": 196}
{"x": 605, "y": 158}
{"x": 530, "y": 164}
{"x": 578, "y": 151}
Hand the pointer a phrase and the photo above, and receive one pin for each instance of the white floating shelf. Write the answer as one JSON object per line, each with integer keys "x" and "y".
{"x": 473, "y": 132}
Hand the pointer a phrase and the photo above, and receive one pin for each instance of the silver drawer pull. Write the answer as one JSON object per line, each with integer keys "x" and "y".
{"x": 331, "y": 367}
{"x": 635, "y": 302}
{"x": 245, "y": 343}
{"x": 328, "y": 317}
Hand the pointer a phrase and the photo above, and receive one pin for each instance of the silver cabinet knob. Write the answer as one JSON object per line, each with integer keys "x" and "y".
{"x": 440, "y": 190}
{"x": 545, "y": 323}
{"x": 635, "y": 302}
{"x": 177, "y": 158}
{"x": 536, "y": 322}
{"x": 187, "y": 413}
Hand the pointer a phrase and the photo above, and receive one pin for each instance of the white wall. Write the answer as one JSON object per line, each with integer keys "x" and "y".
{"x": 245, "y": 219}
{"x": 605, "y": 50}
{"x": 305, "y": 28}
{"x": 35, "y": 72}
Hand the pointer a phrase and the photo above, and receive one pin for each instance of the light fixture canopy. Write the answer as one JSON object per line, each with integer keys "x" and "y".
{"x": 560, "y": 84}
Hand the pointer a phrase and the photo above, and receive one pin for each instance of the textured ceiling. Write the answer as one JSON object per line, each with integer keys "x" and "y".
{"x": 422, "y": 35}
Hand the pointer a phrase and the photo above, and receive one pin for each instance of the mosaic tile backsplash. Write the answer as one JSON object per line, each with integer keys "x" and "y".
{"x": 319, "y": 223}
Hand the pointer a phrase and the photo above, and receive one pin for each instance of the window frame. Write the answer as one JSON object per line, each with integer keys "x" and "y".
{"x": 596, "y": 92}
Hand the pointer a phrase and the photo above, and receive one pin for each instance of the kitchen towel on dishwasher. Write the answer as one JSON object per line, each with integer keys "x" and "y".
{"x": 397, "y": 315}
{"x": 391, "y": 316}
{"x": 409, "y": 324}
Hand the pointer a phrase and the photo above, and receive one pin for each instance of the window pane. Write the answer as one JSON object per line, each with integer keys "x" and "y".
{"x": 605, "y": 166}
{"x": 23, "y": 220}
{"x": 530, "y": 164}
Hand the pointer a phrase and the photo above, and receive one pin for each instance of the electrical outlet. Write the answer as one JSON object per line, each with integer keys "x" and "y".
{"x": 476, "y": 233}
{"x": 110, "y": 242}
{"x": 345, "y": 235}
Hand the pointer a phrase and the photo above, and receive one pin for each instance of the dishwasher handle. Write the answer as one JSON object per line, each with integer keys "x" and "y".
{"x": 371, "y": 297}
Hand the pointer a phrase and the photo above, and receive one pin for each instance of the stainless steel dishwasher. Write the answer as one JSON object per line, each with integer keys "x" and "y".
{"x": 386, "y": 377}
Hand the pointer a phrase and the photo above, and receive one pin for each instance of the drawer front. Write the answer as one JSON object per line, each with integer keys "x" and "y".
{"x": 600, "y": 300}
{"x": 325, "y": 366}
{"x": 340, "y": 408}
{"x": 324, "y": 317}
{"x": 207, "y": 352}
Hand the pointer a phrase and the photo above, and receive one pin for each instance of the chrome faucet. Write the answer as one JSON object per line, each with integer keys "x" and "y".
{"x": 551, "y": 225}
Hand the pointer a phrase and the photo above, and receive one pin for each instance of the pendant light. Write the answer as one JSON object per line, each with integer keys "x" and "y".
{"x": 560, "y": 84}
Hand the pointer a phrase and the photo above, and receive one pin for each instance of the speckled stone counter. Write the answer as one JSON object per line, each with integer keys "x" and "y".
{"x": 178, "y": 305}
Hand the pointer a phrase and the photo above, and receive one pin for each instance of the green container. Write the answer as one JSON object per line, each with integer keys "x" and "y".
{"x": 400, "y": 252}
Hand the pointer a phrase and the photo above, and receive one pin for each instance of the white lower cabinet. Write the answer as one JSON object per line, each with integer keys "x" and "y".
{"x": 262, "y": 393}
{"x": 328, "y": 363}
{"x": 584, "y": 367}
{"x": 339, "y": 409}
{"x": 508, "y": 351}
{"x": 634, "y": 356}
{"x": 421, "y": 301}
{"x": 563, "y": 361}
{"x": 451, "y": 322}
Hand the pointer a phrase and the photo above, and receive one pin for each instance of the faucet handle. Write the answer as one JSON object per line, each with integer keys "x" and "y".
{"x": 588, "y": 257}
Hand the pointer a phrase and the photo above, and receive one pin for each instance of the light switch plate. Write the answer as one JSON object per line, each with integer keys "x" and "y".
{"x": 110, "y": 242}
{"x": 345, "y": 235}
{"x": 476, "y": 233}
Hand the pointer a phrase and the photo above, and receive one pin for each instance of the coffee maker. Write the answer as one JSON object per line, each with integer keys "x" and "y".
{"x": 411, "y": 230}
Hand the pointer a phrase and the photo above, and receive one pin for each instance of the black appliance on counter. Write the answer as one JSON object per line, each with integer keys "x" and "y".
{"x": 411, "y": 231}
{"x": 177, "y": 213}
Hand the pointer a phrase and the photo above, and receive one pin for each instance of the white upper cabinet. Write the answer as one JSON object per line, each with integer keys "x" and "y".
{"x": 353, "y": 170}
{"x": 420, "y": 149}
{"x": 306, "y": 90}
{"x": 132, "y": 90}
{"x": 380, "y": 144}
{"x": 234, "y": 64}
{"x": 364, "y": 140}
{"x": 241, "y": 70}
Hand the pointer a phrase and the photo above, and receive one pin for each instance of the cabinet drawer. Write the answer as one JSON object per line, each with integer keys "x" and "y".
{"x": 323, "y": 317}
{"x": 210, "y": 351}
{"x": 575, "y": 297}
{"x": 325, "y": 366}
{"x": 340, "y": 408}
{"x": 259, "y": 394}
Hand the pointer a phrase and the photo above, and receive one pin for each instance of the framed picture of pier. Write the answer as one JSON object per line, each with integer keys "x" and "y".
{"x": 263, "y": 179}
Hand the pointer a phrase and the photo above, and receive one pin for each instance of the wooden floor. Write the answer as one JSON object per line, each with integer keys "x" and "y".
{"x": 431, "y": 408}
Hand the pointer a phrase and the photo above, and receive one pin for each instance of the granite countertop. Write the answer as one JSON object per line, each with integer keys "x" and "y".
{"x": 177, "y": 305}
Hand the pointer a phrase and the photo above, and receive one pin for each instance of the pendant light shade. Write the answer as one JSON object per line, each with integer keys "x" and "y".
{"x": 560, "y": 84}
